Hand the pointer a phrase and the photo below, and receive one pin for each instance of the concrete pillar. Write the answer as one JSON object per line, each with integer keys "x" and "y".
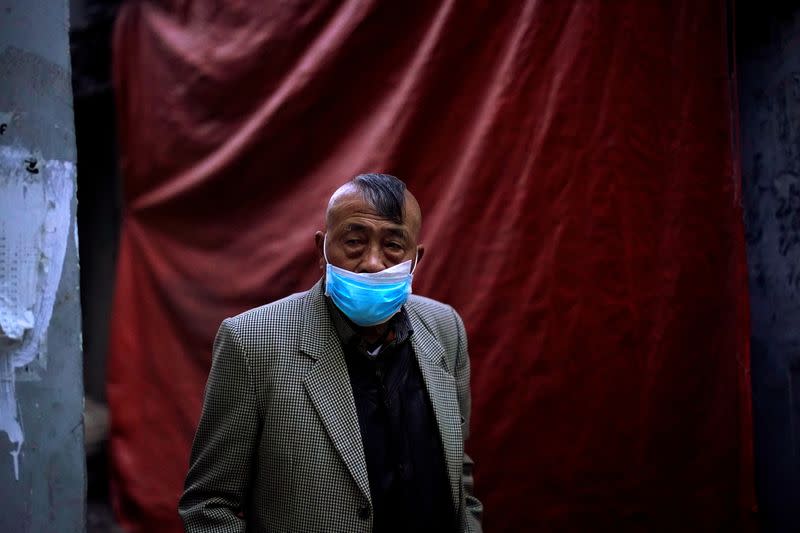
{"x": 42, "y": 462}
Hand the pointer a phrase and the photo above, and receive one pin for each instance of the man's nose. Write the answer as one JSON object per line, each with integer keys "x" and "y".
{"x": 372, "y": 262}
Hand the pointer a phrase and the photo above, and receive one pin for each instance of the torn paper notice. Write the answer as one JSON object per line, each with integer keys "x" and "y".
{"x": 35, "y": 199}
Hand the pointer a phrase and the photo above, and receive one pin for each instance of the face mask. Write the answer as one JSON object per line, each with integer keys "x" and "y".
{"x": 368, "y": 299}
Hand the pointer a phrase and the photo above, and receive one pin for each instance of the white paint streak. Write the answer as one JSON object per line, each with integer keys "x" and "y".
{"x": 34, "y": 228}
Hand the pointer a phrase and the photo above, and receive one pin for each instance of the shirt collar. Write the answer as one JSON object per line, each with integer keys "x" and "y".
{"x": 399, "y": 324}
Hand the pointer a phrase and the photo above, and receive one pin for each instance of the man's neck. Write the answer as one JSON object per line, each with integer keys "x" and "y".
{"x": 372, "y": 334}
{"x": 369, "y": 335}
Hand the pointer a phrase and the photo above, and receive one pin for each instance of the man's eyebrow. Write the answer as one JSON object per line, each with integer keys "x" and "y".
{"x": 398, "y": 232}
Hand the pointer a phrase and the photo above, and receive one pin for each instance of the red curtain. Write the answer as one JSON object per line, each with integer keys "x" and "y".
{"x": 574, "y": 164}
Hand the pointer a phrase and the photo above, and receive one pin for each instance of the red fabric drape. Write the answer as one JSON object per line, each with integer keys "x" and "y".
{"x": 574, "y": 165}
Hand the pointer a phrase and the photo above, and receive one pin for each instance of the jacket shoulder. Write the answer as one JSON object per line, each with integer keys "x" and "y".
{"x": 439, "y": 318}
{"x": 429, "y": 307}
{"x": 281, "y": 316}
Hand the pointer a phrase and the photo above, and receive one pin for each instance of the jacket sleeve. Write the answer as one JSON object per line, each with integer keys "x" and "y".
{"x": 474, "y": 508}
{"x": 224, "y": 446}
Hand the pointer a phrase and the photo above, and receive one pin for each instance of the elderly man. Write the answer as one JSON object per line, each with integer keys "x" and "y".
{"x": 343, "y": 408}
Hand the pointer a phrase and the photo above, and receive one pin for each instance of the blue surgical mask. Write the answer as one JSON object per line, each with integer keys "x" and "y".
{"x": 368, "y": 299}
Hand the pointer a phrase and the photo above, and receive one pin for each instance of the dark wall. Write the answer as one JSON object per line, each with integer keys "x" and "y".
{"x": 768, "y": 53}
{"x": 98, "y": 179}
{"x": 99, "y": 191}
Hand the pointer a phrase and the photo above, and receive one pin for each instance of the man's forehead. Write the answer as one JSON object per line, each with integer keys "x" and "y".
{"x": 348, "y": 202}
{"x": 353, "y": 204}
{"x": 386, "y": 226}
{"x": 351, "y": 201}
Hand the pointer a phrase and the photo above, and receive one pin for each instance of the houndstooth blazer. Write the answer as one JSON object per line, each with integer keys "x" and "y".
{"x": 278, "y": 447}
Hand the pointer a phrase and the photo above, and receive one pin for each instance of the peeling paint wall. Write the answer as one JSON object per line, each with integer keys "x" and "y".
{"x": 42, "y": 462}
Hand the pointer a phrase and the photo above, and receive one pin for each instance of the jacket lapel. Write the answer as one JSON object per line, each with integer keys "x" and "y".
{"x": 328, "y": 386}
{"x": 441, "y": 387}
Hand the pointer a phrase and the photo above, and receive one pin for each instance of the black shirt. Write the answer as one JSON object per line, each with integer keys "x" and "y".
{"x": 408, "y": 479}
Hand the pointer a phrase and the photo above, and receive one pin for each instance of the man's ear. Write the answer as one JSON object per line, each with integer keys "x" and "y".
{"x": 420, "y": 253}
{"x": 319, "y": 240}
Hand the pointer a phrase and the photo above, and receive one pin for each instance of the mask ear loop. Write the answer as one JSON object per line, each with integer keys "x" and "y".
{"x": 416, "y": 257}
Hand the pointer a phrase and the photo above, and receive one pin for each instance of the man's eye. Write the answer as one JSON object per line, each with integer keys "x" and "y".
{"x": 394, "y": 246}
{"x": 352, "y": 242}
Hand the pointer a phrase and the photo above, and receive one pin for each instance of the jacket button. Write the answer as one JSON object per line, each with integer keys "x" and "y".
{"x": 363, "y": 513}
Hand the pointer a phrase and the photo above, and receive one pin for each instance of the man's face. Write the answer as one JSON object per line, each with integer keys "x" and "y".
{"x": 360, "y": 240}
